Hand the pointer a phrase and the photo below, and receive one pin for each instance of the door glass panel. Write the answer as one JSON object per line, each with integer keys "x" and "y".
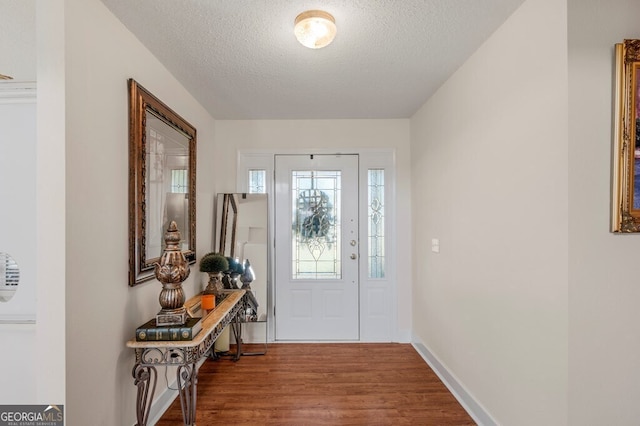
{"x": 376, "y": 223}
{"x": 315, "y": 240}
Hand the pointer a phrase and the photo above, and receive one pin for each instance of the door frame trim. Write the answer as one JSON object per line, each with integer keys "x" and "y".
{"x": 385, "y": 328}
{"x": 318, "y": 327}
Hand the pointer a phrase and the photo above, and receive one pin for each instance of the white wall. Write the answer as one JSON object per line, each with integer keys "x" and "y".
{"x": 341, "y": 135}
{"x": 18, "y": 219}
{"x": 102, "y": 311}
{"x": 50, "y": 215}
{"x": 20, "y": 383}
{"x": 604, "y": 272}
{"x": 489, "y": 176}
{"x": 18, "y": 194}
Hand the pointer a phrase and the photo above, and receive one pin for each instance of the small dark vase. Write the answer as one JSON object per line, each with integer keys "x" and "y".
{"x": 230, "y": 281}
{"x": 215, "y": 285}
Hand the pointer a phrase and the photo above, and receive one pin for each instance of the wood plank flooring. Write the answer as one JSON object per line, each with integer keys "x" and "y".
{"x": 323, "y": 384}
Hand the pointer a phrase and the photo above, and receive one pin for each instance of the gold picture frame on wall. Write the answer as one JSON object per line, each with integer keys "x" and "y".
{"x": 625, "y": 200}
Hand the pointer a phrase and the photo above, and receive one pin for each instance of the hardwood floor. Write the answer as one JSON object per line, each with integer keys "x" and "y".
{"x": 323, "y": 384}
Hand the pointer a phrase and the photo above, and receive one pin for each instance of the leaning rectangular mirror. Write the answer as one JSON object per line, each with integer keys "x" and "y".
{"x": 227, "y": 214}
{"x": 241, "y": 232}
{"x": 162, "y": 181}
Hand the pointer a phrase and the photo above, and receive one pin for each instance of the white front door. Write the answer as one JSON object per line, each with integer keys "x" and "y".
{"x": 316, "y": 255}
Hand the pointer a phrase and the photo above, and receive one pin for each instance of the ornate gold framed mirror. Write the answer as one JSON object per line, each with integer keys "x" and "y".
{"x": 162, "y": 181}
{"x": 625, "y": 200}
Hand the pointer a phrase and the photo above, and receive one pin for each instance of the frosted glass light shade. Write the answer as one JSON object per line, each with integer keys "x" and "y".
{"x": 315, "y": 28}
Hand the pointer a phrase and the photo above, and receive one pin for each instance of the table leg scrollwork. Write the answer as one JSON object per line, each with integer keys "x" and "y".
{"x": 236, "y": 327}
{"x": 145, "y": 379}
{"x": 185, "y": 356}
{"x": 187, "y": 384}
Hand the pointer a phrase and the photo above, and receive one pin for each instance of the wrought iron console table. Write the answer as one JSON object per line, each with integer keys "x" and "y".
{"x": 185, "y": 355}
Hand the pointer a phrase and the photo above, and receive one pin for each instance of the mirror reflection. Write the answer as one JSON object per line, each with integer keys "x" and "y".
{"x": 9, "y": 277}
{"x": 167, "y": 181}
{"x": 242, "y": 234}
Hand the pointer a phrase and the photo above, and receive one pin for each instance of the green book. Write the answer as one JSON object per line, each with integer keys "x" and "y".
{"x": 150, "y": 332}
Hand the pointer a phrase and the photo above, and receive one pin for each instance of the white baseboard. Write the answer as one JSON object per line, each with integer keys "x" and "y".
{"x": 468, "y": 402}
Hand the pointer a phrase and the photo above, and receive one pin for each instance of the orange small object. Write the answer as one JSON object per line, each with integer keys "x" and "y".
{"x": 208, "y": 301}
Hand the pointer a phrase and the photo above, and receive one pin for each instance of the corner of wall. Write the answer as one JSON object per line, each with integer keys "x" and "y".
{"x": 477, "y": 412}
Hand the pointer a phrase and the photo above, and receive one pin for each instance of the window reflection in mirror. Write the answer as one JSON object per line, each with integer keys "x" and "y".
{"x": 9, "y": 277}
{"x": 167, "y": 182}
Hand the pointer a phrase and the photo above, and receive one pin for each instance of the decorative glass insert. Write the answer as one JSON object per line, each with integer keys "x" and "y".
{"x": 257, "y": 181}
{"x": 376, "y": 222}
{"x": 179, "y": 178}
{"x": 9, "y": 271}
{"x": 316, "y": 224}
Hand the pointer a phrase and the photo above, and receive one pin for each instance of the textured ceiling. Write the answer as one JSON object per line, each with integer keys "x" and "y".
{"x": 240, "y": 59}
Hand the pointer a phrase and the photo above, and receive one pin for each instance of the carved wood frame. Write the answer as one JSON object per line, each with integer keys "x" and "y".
{"x": 140, "y": 101}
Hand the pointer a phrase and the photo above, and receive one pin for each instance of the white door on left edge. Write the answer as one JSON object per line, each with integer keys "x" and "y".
{"x": 317, "y": 291}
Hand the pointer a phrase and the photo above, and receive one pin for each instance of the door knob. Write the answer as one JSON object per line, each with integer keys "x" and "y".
{"x": 353, "y": 256}
{"x": 353, "y": 243}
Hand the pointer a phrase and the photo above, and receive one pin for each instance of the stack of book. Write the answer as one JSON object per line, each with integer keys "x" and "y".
{"x": 150, "y": 332}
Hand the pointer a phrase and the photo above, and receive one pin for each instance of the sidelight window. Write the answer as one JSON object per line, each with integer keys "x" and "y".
{"x": 375, "y": 218}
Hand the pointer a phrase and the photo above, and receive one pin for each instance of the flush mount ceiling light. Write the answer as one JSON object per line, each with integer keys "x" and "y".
{"x": 315, "y": 28}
